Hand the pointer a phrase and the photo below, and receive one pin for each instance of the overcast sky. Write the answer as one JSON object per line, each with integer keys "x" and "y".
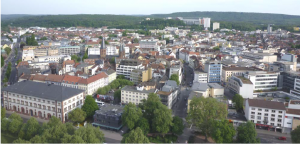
{"x": 146, "y": 6}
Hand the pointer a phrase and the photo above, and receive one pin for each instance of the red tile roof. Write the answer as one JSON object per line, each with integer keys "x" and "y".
{"x": 69, "y": 79}
{"x": 93, "y": 78}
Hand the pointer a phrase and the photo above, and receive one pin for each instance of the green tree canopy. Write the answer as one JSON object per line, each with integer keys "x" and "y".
{"x": 144, "y": 125}
{"x": 15, "y": 123}
{"x": 246, "y": 133}
{"x": 178, "y": 125}
{"x": 239, "y": 101}
{"x": 175, "y": 77}
{"x": 77, "y": 115}
{"x": 135, "y": 136}
{"x": 30, "y": 129}
{"x": 90, "y": 106}
{"x": 120, "y": 77}
{"x": 2, "y": 61}
{"x": 153, "y": 102}
{"x": 296, "y": 135}
{"x": 7, "y": 50}
{"x": 223, "y": 132}
{"x": 204, "y": 111}
{"x": 135, "y": 40}
{"x": 19, "y": 140}
{"x": 90, "y": 134}
{"x": 3, "y": 112}
{"x": 131, "y": 115}
{"x": 117, "y": 94}
{"x": 162, "y": 119}
{"x": 112, "y": 60}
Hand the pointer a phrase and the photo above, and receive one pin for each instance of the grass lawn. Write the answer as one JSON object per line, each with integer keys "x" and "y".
{"x": 7, "y": 138}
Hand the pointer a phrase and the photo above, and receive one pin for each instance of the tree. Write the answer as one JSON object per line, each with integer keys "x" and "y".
{"x": 217, "y": 48}
{"x": 90, "y": 106}
{"x": 77, "y": 115}
{"x": 135, "y": 40}
{"x": 223, "y": 132}
{"x": 90, "y": 134}
{"x": 295, "y": 135}
{"x": 124, "y": 33}
{"x": 162, "y": 119}
{"x": 19, "y": 140}
{"x": 85, "y": 56}
{"x": 112, "y": 60}
{"x": 4, "y": 124}
{"x": 106, "y": 42}
{"x": 153, "y": 102}
{"x": 30, "y": 129}
{"x": 101, "y": 91}
{"x": 75, "y": 58}
{"x": 175, "y": 77}
{"x": 43, "y": 38}
{"x": 117, "y": 94}
{"x": 144, "y": 125}
{"x": 135, "y": 136}
{"x": 3, "y": 112}
{"x": 22, "y": 44}
{"x": 239, "y": 101}
{"x": 246, "y": 133}
{"x": 120, "y": 77}
{"x": 204, "y": 111}
{"x": 38, "y": 139}
{"x": 72, "y": 139}
{"x": 131, "y": 115}
{"x": 7, "y": 50}
{"x": 19, "y": 60}
{"x": 2, "y": 61}
{"x": 178, "y": 125}
{"x": 15, "y": 123}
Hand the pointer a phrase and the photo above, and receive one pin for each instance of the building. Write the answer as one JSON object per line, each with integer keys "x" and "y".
{"x": 208, "y": 89}
{"x": 169, "y": 93}
{"x": 103, "y": 49}
{"x": 69, "y": 50}
{"x": 122, "y": 51}
{"x": 141, "y": 75}
{"x": 112, "y": 75}
{"x": 176, "y": 69}
{"x": 200, "y": 76}
{"x": 149, "y": 45}
{"x": 216, "y": 26}
{"x": 287, "y": 80}
{"x": 42, "y": 100}
{"x": 227, "y": 72}
{"x": 54, "y": 58}
{"x": 280, "y": 66}
{"x": 292, "y": 115}
{"x": 206, "y": 23}
{"x": 28, "y": 55}
{"x": 260, "y": 57}
{"x": 264, "y": 113}
{"x": 263, "y": 80}
{"x": 127, "y": 65}
{"x": 213, "y": 70}
{"x": 93, "y": 51}
{"x": 240, "y": 85}
{"x": 135, "y": 94}
{"x": 296, "y": 90}
{"x": 109, "y": 117}
{"x": 91, "y": 84}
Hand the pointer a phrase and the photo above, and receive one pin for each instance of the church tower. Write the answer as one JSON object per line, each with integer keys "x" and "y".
{"x": 103, "y": 49}
{"x": 122, "y": 51}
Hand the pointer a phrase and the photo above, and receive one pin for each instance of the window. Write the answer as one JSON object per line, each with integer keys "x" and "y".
{"x": 279, "y": 125}
{"x": 280, "y": 111}
{"x": 273, "y": 111}
{"x": 273, "y": 115}
{"x": 266, "y": 110}
{"x": 259, "y": 113}
{"x": 266, "y": 114}
{"x": 272, "y": 124}
{"x": 280, "y": 116}
{"x": 258, "y": 122}
{"x": 48, "y": 102}
{"x": 252, "y": 112}
{"x": 34, "y": 99}
{"x": 272, "y": 119}
{"x": 258, "y": 117}
{"x": 43, "y": 101}
{"x": 252, "y": 121}
{"x": 252, "y": 116}
{"x": 252, "y": 108}
{"x": 259, "y": 109}
{"x": 279, "y": 120}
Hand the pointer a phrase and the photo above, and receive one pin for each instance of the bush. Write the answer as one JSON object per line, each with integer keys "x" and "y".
{"x": 166, "y": 139}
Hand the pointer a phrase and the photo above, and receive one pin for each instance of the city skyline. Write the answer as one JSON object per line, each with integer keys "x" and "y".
{"x": 135, "y": 7}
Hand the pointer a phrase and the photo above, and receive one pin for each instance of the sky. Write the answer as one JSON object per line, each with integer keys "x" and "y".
{"x": 137, "y": 7}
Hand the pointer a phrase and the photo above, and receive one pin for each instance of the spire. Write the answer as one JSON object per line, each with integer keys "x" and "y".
{"x": 103, "y": 43}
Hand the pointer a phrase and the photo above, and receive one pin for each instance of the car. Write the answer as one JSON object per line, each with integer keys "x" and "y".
{"x": 282, "y": 138}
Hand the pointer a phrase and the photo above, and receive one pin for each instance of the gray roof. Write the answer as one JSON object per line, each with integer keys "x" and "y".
{"x": 215, "y": 86}
{"x": 133, "y": 89}
{"x": 109, "y": 109}
{"x": 171, "y": 83}
{"x": 200, "y": 86}
{"x": 43, "y": 90}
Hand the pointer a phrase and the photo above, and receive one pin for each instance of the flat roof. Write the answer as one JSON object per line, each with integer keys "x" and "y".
{"x": 109, "y": 109}
{"x": 133, "y": 89}
{"x": 244, "y": 80}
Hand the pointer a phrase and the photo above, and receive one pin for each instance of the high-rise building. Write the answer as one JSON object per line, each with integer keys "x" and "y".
{"x": 216, "y": 25}
{"x": 206, "y": 23}
{"x": 103, "y": 49}
{"x": 270, "y": 28}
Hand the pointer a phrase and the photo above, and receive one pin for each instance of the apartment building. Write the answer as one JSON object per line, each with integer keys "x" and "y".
{"x": 265, "y": 113}
{"x": 149, "y": 44}
{"x": 135, "y": 94}
{"x": 227, "y": 72}
{"x": 176, "y": 69}
{"x": 126, "y": 66}
{"x": 240, "y": 85}
{"x": 263, "y": 80}
{"x": 91, "y": 84}
{"x": 296, "y": 90}
{"x": 287, "y": 80}
{"x": 69, "y": 50}
{"x": 112, "y": 75}
{"x": 140, "y": 75}
{"x": 292, "y": 115}
{"x": 214, "y": 71}
{"x": 200, "y": 76}
{"x": 169, "y": 93}
{"x": 54, "y": 58}
{"x": 27, "y": 55}
{"x": 42, "y": 100}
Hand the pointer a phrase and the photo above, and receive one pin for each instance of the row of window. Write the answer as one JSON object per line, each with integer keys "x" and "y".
{"x": 30, "y": 98}
{"x": 272, "y": 124}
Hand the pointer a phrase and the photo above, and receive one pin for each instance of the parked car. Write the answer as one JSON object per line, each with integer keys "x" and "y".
{"x": 282, "y": 138}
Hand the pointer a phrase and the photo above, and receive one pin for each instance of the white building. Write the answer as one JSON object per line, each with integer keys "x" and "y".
{"x": 216, "y": 25}
{"x": 126, "y": 66}
{"x": 136, "y": 94}
{"x": 292, "y": 116}
{"x": 200, "y": 77}
{"x": 265, "y": 113}
{"x": 28, "y": 55}
{"x": 111, "y": 50}
{"x": 54, "y": 58}
{"x": 94, "y": 51}
{"x": 91, "y": 84}
{"x": 262, "y": 80}
{"x": 206, "y": 23}
{"x": 176, "y": 69}
{"x": 69, "y": 50}
{"x": 240, "y": 85}
{"x": 150, "y": 44}
{"x": 296, "y": 90}
{"x": 42, "y": 100}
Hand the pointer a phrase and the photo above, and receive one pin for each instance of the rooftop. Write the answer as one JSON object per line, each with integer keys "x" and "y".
{"x": 43, "y": 90}
{"x": 266, "y": 104}
{"x": 109, "y": 109}
{"x": 244, "y": 80}
{"x": 133, "y": 89}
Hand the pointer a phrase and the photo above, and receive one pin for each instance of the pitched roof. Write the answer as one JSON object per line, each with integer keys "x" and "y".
{"x": 93, "y": 78}
{"x": 293, "y": 111}
{"x": 39, "y": 77}
{"x": 69, "y": 79}
{"x": 266, "y": 104}
{"x": 55, "y": 78}
{"x": 42, "y": 90}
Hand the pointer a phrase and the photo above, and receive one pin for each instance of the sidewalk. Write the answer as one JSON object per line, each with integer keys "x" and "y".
{"x": 259, "y": 131}
{"x": 26, "y": 117}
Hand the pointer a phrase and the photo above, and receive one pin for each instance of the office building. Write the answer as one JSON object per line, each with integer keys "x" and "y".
{"x": 69, "y": 50}
{"x": 216, "y": 25}
{"x": 240, "y": 85}
{"x": 200, "y": 76}
{"x": 262, "y": 80}
{"x": 208, "y": 89}
{"x": 260, "y": 57}
{"x": 42, "y": 100}
{"x": 141, "y": 75}
{"x": 135, "y": 94}
{"x": 127, "y": 65}
{"x": 214, "y": 71}
{"x": 227, "y": 72}
{"x": 296, "y": 91}
{"x": 109, "y": 117}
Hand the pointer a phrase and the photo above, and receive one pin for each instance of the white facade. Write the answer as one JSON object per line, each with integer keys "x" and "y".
{"x": 54, "y": 58}
{"x": 126, "y": 69}
{"x": 262, "y": 80}
{"x": 206, "y": 22}
{"x": 216, "y": 25}
{"x": 28, "y": 55}
{"x": 176, "y": 69}
{"x": 296, "y": 90}
{"x": 93, "y": 51}
{"x": 148, "y": 44}
{"x": 264, "y": 115}
{"x": 292, "y": 116}
{"x": 200, "y": 77}
{"x": 134, "y": 95}
{"x": 111, "y": 50}
{"x": 69, "y": 50}
{"x": 240, "y": 86}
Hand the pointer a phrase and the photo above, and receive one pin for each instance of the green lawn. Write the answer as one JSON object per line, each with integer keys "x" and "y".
{"x": 7, "y": 138}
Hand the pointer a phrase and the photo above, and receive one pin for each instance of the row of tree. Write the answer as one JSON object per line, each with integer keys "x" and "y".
{"x": 8, "y": 72}
{"x": 75, "y": 58}
{"x": 117, "y": 83}
{"x": 151, "y": 116}
{"x": 31, "y": 41}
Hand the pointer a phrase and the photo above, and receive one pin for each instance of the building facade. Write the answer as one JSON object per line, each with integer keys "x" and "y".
{"x": 214, "y": 71}
{"x": 262, "y": 80}
{"x": 240, "y": 85}
{"x": 126, "y": 66}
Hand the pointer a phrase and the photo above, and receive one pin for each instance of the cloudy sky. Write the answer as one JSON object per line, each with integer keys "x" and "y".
{"x": 290, "y": 7}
